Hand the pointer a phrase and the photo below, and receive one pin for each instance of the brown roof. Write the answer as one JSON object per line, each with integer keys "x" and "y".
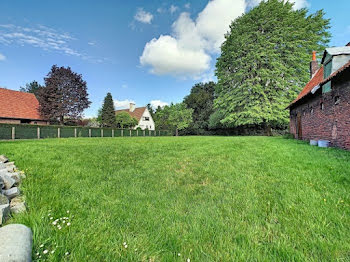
{"x": 20, "y": 105}
{"x": 137, "y": 113}
{"x": 315, "y": 80}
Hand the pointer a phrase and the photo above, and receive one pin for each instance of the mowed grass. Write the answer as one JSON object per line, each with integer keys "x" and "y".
{"x": 174, "y": 198}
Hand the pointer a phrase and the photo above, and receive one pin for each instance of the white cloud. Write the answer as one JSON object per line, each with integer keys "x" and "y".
{"x": 2, "y": 57}
{"x": 42, "y": 37}
{"x": 160, "y": 10}
{"x": 166, "y": 56}
{"x": 156, "y": 103}
{"x": 187, "y": 6}
{"x": 173, "y": 9}
{"x": 123, "y": 103}
{"x": 124, "y": 86}
{"x": 143, "y": 16}
{"x": 187, "y": 51}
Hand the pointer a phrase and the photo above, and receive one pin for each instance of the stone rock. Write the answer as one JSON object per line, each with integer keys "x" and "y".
{"x": 1, "y": 184}
{"x": 3, "y": 200}
{"x": 16, "y": 177}
{"x": 11, "y": 193}
{"x": 11, "y": 169}
{"x": 9, "y": 163}
{"x": 3, "y": 159}
{"x": 18, "y": 205}
{"x": 16, "y": 242}
{"x": 4, "y": 213}
{"x": 7, "y": 180}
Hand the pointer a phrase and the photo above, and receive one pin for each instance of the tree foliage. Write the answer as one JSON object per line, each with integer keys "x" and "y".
{"x": 32, "y": 87}
{"x": 64, "y": 95}
{"x": 108, "y": 117}
{"x": 264, "y": 62}
{"x": 201, "y": 100}
{"x": 124, "y": 120}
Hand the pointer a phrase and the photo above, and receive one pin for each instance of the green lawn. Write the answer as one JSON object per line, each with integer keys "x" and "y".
{"x": 173, "y": 198}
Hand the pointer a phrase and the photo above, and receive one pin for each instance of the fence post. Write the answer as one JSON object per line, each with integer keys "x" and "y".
{"x": 75, "y": 132}
{"x": 122, "y": 132}
{"x": 13, "y": 133}
{"x": 130, "y": 132}
{"x": 101, "y": 132}
{"x": 144, "y": 132}
{"x": 38, "y": 132}
{"x": 137, "y": 132}
{"x": 112, "y": 132}
{"x": 89, "y": 132}
{"x": 159, "y": 132}
{"x": 58, "y": 132}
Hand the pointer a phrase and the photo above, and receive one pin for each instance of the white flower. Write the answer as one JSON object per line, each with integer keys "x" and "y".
{"x": 41, "y": 245}
{"x": 64, "y": 221}
{"x": 188, "y": 260}
{"x": 37, "y": 254}
{"x": 126, "y": 246}
{"x": 54, "y": 223}
{"x": 68, "y": 224}
{"x": 124, "y": 243}
{"x": 67, "y": 253}
{"x": 51, "y": 218}
{"x": 53, "y": 251}
{"x": 45, "y": 251}
{"x": 179, "y": 254}
{"x": 67, "y": 211}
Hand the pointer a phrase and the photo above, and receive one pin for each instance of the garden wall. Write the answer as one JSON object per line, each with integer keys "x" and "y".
{"x": 12, "y": 131}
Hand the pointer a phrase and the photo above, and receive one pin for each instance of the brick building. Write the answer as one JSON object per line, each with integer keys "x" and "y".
{"x": 19, "y": 108}
{"x": 322, "y": 109}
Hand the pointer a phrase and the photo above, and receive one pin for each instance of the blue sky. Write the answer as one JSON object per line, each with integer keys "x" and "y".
{"x": 141, "y": 50}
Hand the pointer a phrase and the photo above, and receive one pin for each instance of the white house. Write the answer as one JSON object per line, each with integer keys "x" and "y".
{"x": 142, "y": 115}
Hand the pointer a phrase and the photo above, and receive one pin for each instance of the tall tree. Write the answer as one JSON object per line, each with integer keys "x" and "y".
{"x": 201, "y": 101}
{"x": 64, "y": 95}
{"x": 264, "y": 62}
{"x": 124, "y": 120}
{"x": 108, "y": 112}
{"x": 32, "y": 87}
{"x": 179, "y": 117}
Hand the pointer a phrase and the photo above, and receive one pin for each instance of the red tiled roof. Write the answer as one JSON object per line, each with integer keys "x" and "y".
{"x": 20, "y": 105}
{"x": 137, "y": 113}
{"x": 315, "y": 80}
{"x": 340, "y": 70}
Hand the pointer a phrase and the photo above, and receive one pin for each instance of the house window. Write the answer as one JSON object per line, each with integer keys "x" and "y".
{"x": 146, "y": 118}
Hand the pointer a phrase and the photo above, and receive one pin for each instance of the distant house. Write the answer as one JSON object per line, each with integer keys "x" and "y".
{"x": 142, "y": 115}
{"x": 19, "y": 108}
{"x": 322, "y": 109}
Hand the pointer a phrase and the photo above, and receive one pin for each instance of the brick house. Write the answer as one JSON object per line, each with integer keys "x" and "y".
{"x": 322, "y": 109}
{"x": 142, "y": 114}
{"x": 19, "y": 108}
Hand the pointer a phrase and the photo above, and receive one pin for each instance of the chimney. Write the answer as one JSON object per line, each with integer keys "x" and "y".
{"x": 132, "y": 107}
{"x": 313, "y": 64}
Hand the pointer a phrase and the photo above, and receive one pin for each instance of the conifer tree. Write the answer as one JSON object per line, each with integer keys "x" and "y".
{"x": 108, "y": 112}
{"x": 264, "y": 63}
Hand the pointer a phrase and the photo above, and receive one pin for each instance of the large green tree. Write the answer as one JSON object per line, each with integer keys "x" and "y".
{"x": 108, "y": 112}
{"x": 201, "y": 101}
{"x": 124, "y": 120}
{"x": 264, "y": 62}
{"x": 32, "y": 87}
{"x": 179, "y": 117}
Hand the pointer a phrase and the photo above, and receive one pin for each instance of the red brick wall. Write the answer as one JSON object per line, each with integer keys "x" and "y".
{"x": 332, "y": 123}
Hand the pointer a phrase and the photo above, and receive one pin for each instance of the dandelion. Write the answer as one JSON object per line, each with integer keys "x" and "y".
{"x": 324, "y": 200}
{"x": 45, "y": 251}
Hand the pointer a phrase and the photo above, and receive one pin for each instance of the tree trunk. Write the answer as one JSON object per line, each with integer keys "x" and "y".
{"x": 177, "y": 132}
{"x": 268, "y": 129}
{"x": 61, "y": 120}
